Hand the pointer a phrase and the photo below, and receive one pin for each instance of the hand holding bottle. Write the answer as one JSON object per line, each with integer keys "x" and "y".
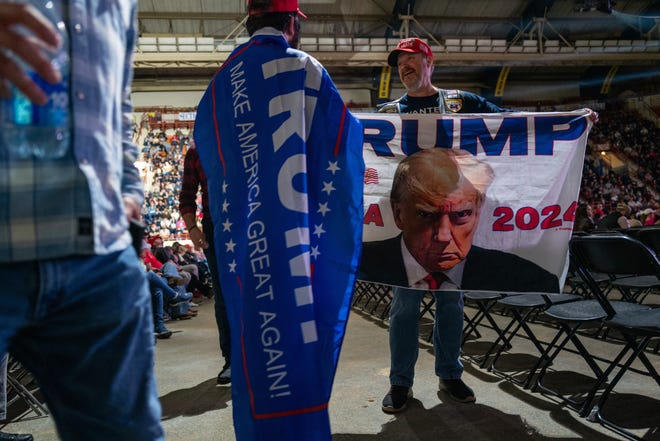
{"x": 32, "y": 48}
{"x": 34, "y": 69}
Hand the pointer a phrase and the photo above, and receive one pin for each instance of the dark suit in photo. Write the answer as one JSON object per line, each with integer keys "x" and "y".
{"x": 485, "y": 269}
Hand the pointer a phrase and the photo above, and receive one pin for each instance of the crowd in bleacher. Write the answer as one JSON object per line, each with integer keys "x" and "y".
{"x": 178, "y": 275}
{"x": 163, "y": 155}
{"x": 635, "y": 185}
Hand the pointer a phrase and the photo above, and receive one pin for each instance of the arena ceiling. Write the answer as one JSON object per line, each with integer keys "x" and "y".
{"x": 536, "y": 40}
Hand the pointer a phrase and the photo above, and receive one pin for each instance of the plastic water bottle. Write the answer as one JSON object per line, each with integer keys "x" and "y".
{"x": 29, "y": 130}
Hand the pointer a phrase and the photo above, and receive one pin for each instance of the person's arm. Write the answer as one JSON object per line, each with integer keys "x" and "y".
{"x": 592, "y": 115}
{"x": 188, "y": 199}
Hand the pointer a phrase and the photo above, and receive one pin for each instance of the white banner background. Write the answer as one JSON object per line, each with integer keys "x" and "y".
{"x": 529, "y": 208}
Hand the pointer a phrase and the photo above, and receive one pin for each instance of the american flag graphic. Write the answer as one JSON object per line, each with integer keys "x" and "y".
{"x": 371, "y": 176}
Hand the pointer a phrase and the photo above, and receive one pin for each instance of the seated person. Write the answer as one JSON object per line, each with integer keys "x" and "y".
{"x": 162, "y": 296}
{"x": 176, "y": 277}
{"x": 149, "y": 258}
{"x": 187, "y": 257}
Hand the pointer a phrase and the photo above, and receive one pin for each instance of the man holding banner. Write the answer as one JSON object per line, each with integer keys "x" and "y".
{"x": 459, "y": 202}
{"x": 414, "y": 61}
{"x": 283, "y": 161}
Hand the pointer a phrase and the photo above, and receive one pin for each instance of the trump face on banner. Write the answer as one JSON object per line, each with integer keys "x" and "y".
{"x": 436, "y": 199}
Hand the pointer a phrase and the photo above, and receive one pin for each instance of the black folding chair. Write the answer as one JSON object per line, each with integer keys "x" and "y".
{"x": 522, "y": 309}
{"x": 372, "y": 298}
{"x": 650, "y": 236}
{"x": 638, "y": 330}
{"x": 576, "y": 284}
{"x": 574, "y": 316}
{"x": 24, "y": 400}
{"x": 636, "y": 287}
{"x": 638, "y": 327}
{"x": 484, "y": 301}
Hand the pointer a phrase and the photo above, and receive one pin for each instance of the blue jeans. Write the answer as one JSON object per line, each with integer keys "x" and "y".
{"x": 221, "y": 320}
{"x": 404, "y": 334}
{"x": 83, "y": 327}
{"x": 160, "y": 282}
{"x": 161, "y": 294}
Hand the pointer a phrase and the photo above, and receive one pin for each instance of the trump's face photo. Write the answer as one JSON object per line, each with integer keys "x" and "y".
{"x": 436, "y": 207}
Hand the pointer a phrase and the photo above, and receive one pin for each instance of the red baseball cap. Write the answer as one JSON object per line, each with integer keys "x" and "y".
{"x": 274, "y": 6}
{"x": 412, "y": 45}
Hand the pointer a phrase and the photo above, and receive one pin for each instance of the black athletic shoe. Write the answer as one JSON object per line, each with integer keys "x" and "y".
{"x": 224, "y": 377}
{"x": 457, "y": 390}
{"x": 15, "y": 437}
{"x": 396, "y": 399}
{"x": 161, "y": 333}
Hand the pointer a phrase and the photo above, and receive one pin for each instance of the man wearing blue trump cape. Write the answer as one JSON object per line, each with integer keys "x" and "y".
{"x": 283, "y": 160}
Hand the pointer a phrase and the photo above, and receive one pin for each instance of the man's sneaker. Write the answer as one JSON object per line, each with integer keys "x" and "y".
{"x": 457, "y": 390}
{"x": 224, "y": 377}
{"x": 15, "y": 437}
{"x": 396, "y": 399}
{"x": 163, "y": 333}
{"x": 181, "y": 297}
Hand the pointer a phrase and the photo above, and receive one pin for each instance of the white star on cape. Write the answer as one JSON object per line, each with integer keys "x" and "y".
{"x": 318, "y": 230}
{"x": 323, "y": 208}
{"x": 333, "y": 167}
{"x": 328, "y": 187}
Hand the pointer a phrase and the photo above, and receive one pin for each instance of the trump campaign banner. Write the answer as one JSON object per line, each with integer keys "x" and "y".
{"x": 283, "y": 161}
{"x": 487, "y": 199}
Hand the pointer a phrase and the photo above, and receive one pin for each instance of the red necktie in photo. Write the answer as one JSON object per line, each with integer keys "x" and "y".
{"x": 434, "y": 280}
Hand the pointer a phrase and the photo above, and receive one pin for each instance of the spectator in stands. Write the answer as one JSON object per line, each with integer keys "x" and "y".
{"x": 598, "y": 211}
{"x": 194, "y": 181}
{"x": 155, "y": 242}
{"x": 76, "y": 309}
{"x": 176, "y": 277}
{"x": 149, "y": 258}
{"x": 187, "y": 259}
{"x": 648, "y": 217}
{"x": 634, "y": 222}
{"x": 584, "y": 220}
{"x": 616, "y": 219}
{"x": 162, "y": 295}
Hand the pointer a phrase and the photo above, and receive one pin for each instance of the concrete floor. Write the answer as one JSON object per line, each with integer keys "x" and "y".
{"x": 195, "y": 409}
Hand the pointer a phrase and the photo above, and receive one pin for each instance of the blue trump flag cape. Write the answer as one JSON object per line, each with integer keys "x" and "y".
{"x": 283, "y": 160}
